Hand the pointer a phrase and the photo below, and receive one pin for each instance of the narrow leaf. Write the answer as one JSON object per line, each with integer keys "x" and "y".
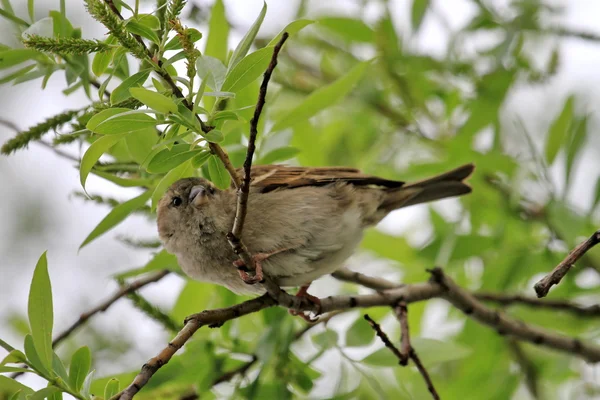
{"x": 212, "y": 70}
{"x": 218, "y": 174}
{"x": 242, "y": 48}
{"x": 322, "y": 98}
{"x": 33, "y": 357}
{"x": 39, "y": 310}
{"x": 218, "y": 32}
{"x": 10, "y": 58}
{"x": 116, "y": 216}
{"x": 112, "y": 387}
{"x": 559, "y": 129}
{"x": 93, "y": 154}
{"x": 291, "y": 28}
{"x": 81, "y": 362}
{"x": 247, "y": 70}
{"x": 122, "y": 93}
{"x": 124, "y": 122}
{"x": 154, "y": 100}
{"x": 167, "y": 159}
{"x": 349, "y": 29}
{"x": 418, "y": 11}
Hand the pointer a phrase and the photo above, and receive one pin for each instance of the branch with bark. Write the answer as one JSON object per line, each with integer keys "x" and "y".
{"x": 542, "y": 287}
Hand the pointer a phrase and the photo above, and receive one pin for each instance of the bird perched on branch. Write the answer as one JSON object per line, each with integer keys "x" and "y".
{"x": 301, "y": 223}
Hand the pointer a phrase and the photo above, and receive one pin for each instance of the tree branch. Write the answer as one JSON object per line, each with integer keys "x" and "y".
{"x": 562, "y": 305}
{"x": 543, "y": 285}
{"x": 407, "y": 350}
{"x": 235, "y": 236}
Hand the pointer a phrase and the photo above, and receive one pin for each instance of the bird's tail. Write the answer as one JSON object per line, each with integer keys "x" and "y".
{"x": 445, "y": 185}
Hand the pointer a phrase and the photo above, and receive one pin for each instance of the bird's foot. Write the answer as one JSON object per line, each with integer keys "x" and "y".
{"x": 243, "y": 271}
{"x": 303, "y": 292}
{"x": 258, "y": 272}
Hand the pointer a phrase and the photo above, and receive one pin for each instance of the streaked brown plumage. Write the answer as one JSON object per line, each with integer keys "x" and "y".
{"x": 315, "y": 215}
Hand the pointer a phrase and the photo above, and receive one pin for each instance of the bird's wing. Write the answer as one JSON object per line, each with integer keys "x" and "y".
{"x": 267, "y": 178}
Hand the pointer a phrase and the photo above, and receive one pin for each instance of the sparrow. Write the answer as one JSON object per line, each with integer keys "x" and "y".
{"x": 301, "y": 222}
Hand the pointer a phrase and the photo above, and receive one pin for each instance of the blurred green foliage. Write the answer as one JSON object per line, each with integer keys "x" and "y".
{"x": 346, "y": 92}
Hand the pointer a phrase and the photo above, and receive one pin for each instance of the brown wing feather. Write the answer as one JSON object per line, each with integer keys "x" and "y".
{"x": 270, "y": 177}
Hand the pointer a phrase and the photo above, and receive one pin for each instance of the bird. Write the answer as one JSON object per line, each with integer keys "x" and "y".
{"x": 301, "y": 222}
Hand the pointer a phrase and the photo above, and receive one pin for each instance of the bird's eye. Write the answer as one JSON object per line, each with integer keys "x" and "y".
{"x": 176, "y": 201}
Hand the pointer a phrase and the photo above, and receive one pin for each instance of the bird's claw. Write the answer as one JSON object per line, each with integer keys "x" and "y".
{"x": 310, "y": 298}
{"x": 243, "y": 271}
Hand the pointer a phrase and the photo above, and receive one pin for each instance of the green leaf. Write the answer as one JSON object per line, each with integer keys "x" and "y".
{"x": 93, "y": 154}
{"x": 116, "y": 216}
{"x": 218, "y": 32}
{"x": 121, "y": 92}
{"x": 291, "y": 28}
{"x": 10, "y": 58}
{"x": 322, "y": 98}
{"x": 360, "y": 333}
{"x": 142, "y": 30}
{"x": 577, "y": 140}
{"x": 200, "y": 159}
{"x": 419, "y": 9}
{"x": 349, "y": 29}
{"x": 59, "y": 368}
{"x": 140, "y": 144}
{"x": 6, "y": 346}
{"x": 10, "y": 386}
{"x": 167, "y": 159}
{"x": 148, "y": 20}
{"x": 154, "y": 100}
{"x": 597, "y": 195}
{"x": 44, "y": 393}
{"x": 31, "y": 10}
{"x": 247, "y": 70}
{"x": 242, "y": 48}
{"x": 218, "y": 174}
{"x": 326, "y": 339}
{"x": 14, "y": 357}
{"x": 81, "y": 362}
{"x": 101, "y": 61}
{"x": 39, "y": 310}
{"x": 87, "y": 383}
{"x": 559, "y": 129}
{"x": 280, "y": 154}
{"x": 381, "y": 358}
{"x": 182, "y": 171}
{"x": 433, "y": 352}
{"x": 33, "y": 357}
{"x": 213, "y": 136}
{"x": 161, "y": 260}
{"x": 112, "y": 388}
{"x": 115, "y": 120}
{"x": 123, "y": 182}
{"x": 212, "y": 70}
{"x": 4, "y": 368}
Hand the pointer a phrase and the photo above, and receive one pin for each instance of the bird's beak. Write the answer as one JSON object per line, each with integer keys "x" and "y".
{"x": 197, "y": 195}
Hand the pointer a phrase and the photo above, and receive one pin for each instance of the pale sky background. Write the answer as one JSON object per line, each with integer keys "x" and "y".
{"x": 37, "y": 211}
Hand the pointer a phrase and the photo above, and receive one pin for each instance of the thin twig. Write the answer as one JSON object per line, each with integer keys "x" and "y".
{"x": 424, "y": 374}
{"x": 235, "y": 236}
{"x": 385, "y": 339}
{"x": 527, "y": 367}
{"x": 562, "y": 305}
{"x": 543, "y": 285}
{"x": 407, "y": 353}
{"x": 402, "y": 315}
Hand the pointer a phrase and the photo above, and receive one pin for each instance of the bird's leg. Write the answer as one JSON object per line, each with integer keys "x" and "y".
{"x": 258, "y": 272}
{"x": 303, "y": 292}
